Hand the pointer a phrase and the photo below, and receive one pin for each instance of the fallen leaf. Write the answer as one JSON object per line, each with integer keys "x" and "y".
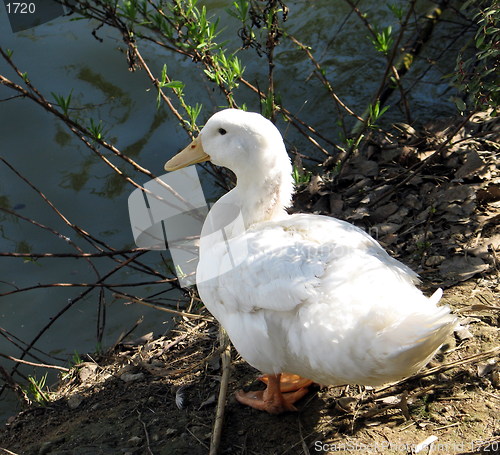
{"x": 495, "y": 378}
{"x": 384, "y": 211}
{"x": 457, "y": 193}
{"x": 484, "y": 368}
{"x": 461, "y": 268}
{"x": 208, "y": 401}
{"x": 489, "y": 194}
{"x": 346, "y": 404}
{"x": 314, "y": 184}
{"x": 336, "y": 205}
{"x": 482, "y": 250}
{"x": 356, "y": 213}
{"x": 463, "y": 333}
{"x": 473, "y": 163}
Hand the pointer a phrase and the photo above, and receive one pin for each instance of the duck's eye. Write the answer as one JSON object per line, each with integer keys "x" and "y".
{"x": 222, "y": 131}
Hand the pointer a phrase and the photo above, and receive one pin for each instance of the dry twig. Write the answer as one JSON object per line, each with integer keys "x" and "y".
{"x": 148, "y": 447}
{"x": 157, "y": 307}
{"x": 221, "y": 402}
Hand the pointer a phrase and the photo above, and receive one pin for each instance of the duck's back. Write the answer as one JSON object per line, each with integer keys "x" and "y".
{"x": 316, "y": 296}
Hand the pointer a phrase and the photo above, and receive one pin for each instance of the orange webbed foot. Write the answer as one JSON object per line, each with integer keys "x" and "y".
{"x": 272, "y": 399}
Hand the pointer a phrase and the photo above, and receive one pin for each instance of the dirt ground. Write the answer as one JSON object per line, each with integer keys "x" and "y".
{"x": 159, "y": 395}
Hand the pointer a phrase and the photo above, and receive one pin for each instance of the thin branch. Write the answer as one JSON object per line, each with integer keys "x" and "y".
{"x": 161, "y": 308}
{"x": 33, "y": 364}
{"x": 8, "y": 452}
{"x": 68, "y": 306}
{"x": 441, "y": 368}
{"x": 100, "y": 254}
{"x": 146, "y": 434}
{"x": 225, "y": 346}
{"x": 422, "y": 37}
{"x": 416, "y": 168}
{"x": 323, "y": 79}
{"x": 18, "y": 390}
{"x": 18, "y": 343}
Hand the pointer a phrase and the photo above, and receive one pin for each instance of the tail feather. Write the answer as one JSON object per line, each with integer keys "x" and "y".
{"x": 411, "y": 342}
{"x": 431, "y": 335}
{"x": 436, "y": 297}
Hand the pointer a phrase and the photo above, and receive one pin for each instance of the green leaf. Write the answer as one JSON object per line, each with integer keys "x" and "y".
{"x": 459, "y": 102}
{"x": 383, "y": 40}
{"x": 164, "y": 74}
{"x": 396, "y": 10}
{"x": 63, "y": 102}
{"x": 467, "y": 4}
{"x": 96, "y": 129}
{"x": 193, "y": 113}
{"x": 209, "y": 74}
{"x": 179, "y": 85}
{"x": 375, "y": 113}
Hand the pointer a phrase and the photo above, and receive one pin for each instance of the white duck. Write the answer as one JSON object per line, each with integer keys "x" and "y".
{"x": 305, "y": 294}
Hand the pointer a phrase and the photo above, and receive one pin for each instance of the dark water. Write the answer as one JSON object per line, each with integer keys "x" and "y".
{"x": 63, "y": 57}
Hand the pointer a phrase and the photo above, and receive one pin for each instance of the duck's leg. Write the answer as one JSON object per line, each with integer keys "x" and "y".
{"x": 272, "y": 399}
{"x": 289, "y": 382}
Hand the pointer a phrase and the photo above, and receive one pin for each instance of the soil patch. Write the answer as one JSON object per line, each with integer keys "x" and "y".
{"x": 159, "y": 396}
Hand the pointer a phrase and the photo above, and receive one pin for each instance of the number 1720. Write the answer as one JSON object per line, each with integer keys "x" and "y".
{"x": 20, "y": 8}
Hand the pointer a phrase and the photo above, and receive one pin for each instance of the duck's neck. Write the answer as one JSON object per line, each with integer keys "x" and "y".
{"x": 265, "y": 193}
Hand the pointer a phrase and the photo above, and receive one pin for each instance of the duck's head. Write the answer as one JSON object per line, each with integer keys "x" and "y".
{"x": 238, "y": 140}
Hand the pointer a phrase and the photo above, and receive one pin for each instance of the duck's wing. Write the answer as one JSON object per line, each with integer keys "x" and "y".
{"x": 279, "y": 265}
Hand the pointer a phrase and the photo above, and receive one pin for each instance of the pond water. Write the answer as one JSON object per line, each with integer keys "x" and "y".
{"x": 63, "y": 57}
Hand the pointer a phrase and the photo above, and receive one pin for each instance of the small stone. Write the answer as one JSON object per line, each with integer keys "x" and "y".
{"x": 46, "y": 447}
{"x": 495, "y": 379}
{"x": 131, "y": 377}
{"x": 432, "y": 261}
{"x": 11, "y": 420}
{"x": 135, "y": 441}
{"x": 200, "y": 432}
{"x": 74, "y": 401}
{"x": 386, "y": 228}
{"x": 87, "y": 371}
